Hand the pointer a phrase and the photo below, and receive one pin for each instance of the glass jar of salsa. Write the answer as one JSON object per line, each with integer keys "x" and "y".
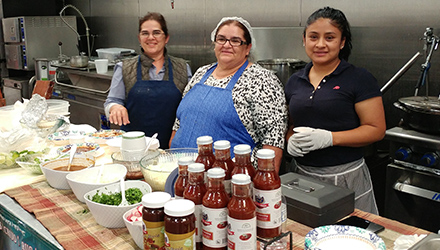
{"x": 153, "y": 219}
{"x": 267, "y": 195}
{"x": 223, "y": 160}
{"x": 182, "y": 179}
{"x": 243, "y": 163}
{"x": 194, "y": 191}
{"x": 215, "y": 212}
{"x": 242, "y": 222}
{"x": 180, "y": 224}
{"x": 206, "y": 155}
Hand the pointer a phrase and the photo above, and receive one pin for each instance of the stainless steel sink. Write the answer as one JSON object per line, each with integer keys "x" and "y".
{"x": 430, "y": 242}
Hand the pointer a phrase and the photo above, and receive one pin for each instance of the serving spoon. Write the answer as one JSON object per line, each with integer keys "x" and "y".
{"x": 149, "y": 142}
{"x": 72, "y": 154}
{"x": 124, "y": 201}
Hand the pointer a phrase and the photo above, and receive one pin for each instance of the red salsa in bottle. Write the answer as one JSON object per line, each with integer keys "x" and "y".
{"x": 223, "y": 160}
{"x": 182, "y": 179}
{"x": 215, "y": 211}
{"x": 242, "y": 222}
{"x": 267, "y": 195}
{"x": 194, "y": 191}
{"x": 243, "y": 163}
{"x": 206, "y": 155}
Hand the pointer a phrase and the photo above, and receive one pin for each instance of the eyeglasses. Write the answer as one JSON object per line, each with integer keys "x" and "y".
{"x": 156, "y": 33}
{"x": 234, "y": 42}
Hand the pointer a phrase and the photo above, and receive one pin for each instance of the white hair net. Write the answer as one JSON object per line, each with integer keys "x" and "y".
{"x": 240, "y": 20}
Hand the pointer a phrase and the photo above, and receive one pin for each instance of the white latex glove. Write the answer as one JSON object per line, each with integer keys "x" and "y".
{"x": 310, "y": 139}
{"x": 293, "y": 148}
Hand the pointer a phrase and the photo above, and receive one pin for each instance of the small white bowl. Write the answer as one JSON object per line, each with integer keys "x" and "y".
{"x": 56, "y": 178}
{"x": 134, "y": 228}
{"x": 84, "y": 181}
{"x": 111, "y": 216}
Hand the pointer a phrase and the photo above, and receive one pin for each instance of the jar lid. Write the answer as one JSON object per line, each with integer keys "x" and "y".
{"x": 179, "y": 207}
{"x": 222, "y": 144}
{"x": 155, "y": 199}
{"x": 265, "y": 153}
{"x": 203, "y": 140}
{"x": 196, "y": 167}
{"x": 242, "y": 149}
{"x": 185, "y": 160}
{"x": 216, "y": 173}
{"x": 241, "y": 179}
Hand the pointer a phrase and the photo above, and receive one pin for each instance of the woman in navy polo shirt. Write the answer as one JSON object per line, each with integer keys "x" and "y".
{"x": 335, "y": 109}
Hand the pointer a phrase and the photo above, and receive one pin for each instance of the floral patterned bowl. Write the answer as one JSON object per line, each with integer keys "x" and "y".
{"x": 342, "y": 238}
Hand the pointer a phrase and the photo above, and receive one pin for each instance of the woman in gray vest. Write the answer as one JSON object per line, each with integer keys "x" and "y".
{"x": 146, "y": 90}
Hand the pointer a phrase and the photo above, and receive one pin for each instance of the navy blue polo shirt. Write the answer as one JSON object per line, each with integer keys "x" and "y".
{"x": 330, "y": 107}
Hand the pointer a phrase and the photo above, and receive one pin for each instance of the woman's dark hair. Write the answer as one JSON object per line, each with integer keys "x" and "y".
{"x": 247, "y": 35}
{"x": 338, "y": 20}
{"x": 156, "y": 17}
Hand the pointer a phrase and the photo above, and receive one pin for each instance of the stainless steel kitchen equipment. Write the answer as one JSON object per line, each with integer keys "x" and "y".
{"x": 412, "y": 193}
{"x": 16, "y": 88}
{"x": 283, "y": 68}
{"x": 30, "y": 37}
{"x": 315, "y": 203}
{"x": 86, "y": 92}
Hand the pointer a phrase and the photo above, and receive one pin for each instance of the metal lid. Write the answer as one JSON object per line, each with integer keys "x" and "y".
{"x": 425, "y": 104}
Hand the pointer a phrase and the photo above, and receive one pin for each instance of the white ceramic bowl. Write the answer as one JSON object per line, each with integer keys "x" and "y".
{"x": 133, "y": 140}
{"x": 111, "y": 216}
{"x": 84, "y": 181}
{"x": 115, "y": 144}
{"x": 134, "y": 228}
{"x": 57, "y": 179}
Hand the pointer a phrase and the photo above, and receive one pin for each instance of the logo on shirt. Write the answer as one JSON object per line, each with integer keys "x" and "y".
{"x": 336, "y": 87}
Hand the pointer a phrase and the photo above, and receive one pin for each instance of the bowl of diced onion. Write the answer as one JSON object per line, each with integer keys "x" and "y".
{"x": 157, "y": 169}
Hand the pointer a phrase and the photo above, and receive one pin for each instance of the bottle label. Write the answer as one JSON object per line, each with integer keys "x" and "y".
{"x": 268, "y": 204}
{"x": 242, "y": 234}
{"x": 198, "y": 215}
{"x": 228, "y": 188}
{"x": 214, "y": 222}
{"x": 180, "y": 241}
{"x": 153, "y": 234}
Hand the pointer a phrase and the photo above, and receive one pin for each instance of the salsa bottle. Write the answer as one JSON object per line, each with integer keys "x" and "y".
{"x": 267, "y": 195}
{"x": 194, "y": 191}
{"x": 182, "y": 179}
{"x": 223, "y": 160}
{"x": 180, "y": 224}
{"x": 206, "y": 155}
{"x": 153, "y": 219}
{"x": 242, "y": 222}
{"x": 215, "y": 212}
{"x": 243, "y": 163}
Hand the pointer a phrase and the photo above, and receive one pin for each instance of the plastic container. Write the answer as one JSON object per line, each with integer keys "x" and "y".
{"x": 57, "y": 107}
{"x": 113, "y": 54}
{"x": 8, "y": 117}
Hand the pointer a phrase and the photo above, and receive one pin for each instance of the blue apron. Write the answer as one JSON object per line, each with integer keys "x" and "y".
{"x": 152, "y": 106}
{"x": 208, "y": 110}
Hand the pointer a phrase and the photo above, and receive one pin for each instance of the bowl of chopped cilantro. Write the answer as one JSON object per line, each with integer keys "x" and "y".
{"x": 104, "y": 202}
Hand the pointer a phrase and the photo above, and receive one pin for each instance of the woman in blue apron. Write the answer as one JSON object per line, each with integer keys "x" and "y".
{"x": 146, "y": 90}
{"x": 233, "y": 99}
{"x": 335, "y": 110}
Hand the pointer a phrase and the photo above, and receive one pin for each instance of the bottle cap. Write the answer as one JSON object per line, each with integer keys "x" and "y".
{"x": 216, "y": 173}
{"x": 196, "y": 167}
{"x": 241, "y": 179}
{"x": 204, "y": 140}
{"x": 242, "y": 149}
{"x": 222, "y": 144}
{"x": 179, "y": 207}
{"x": 185, "y": 160}
{"x": 265, "y": 154}
{"x": 155, "y": 199}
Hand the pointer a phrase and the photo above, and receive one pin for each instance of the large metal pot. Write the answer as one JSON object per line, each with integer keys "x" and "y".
{"x": 284, "y": 68}
{"x": 421, "y": 113}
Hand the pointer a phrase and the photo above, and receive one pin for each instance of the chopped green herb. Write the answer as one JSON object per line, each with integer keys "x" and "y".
{"x": 133, "y": 196}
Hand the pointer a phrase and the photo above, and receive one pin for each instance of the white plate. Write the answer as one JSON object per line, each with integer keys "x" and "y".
{"x": 342, "y": 238}
{"x": 93, "y": 147}
{"x": 102, "y": 136}
{"x": 62, "y": 137}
